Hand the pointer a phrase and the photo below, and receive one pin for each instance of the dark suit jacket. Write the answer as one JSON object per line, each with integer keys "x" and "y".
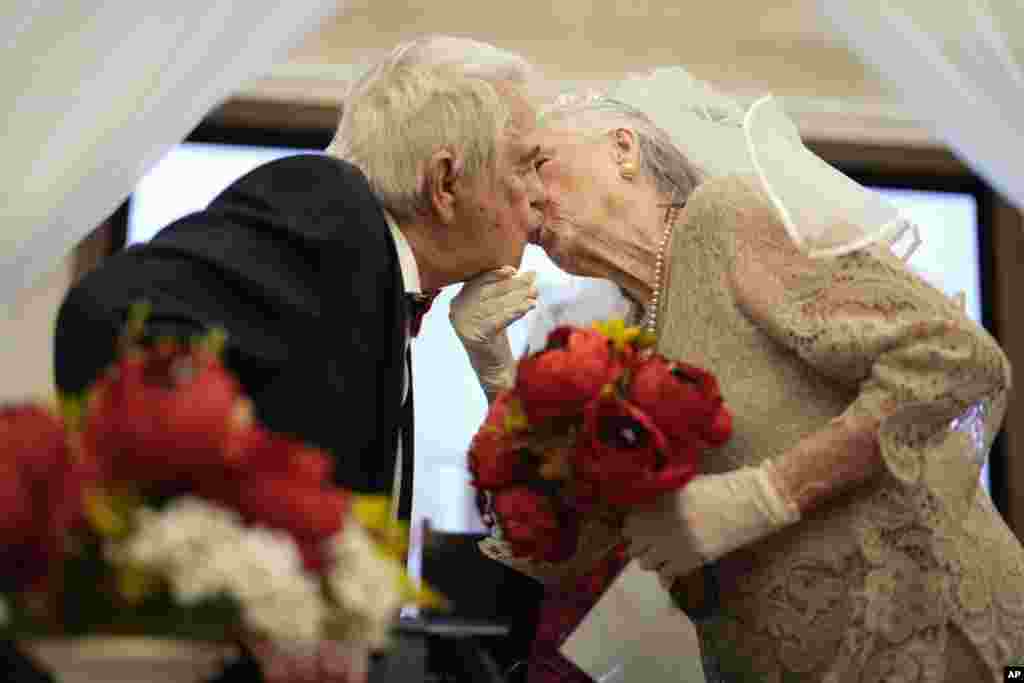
{"x": 296, "y": 262}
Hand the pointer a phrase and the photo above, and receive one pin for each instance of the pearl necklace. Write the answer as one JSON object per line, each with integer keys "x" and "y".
{"x": 650, "y": 320}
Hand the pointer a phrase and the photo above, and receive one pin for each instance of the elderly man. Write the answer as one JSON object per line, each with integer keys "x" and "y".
{"x": 310, "y": 262}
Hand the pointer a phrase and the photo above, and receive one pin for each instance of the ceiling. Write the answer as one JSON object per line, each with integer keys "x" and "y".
{"x": 739, "y": 44}
{"x": 746, "y": 48}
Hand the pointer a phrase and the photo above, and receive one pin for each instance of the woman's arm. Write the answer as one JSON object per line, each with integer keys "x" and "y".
{"x": 917, "y": 362}
{"x": 929, "y": 384}
{"x": 839, "y": 456}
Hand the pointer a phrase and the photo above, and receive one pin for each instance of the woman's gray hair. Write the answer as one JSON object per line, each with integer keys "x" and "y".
{"x": 432, "y": 93}
{"x": 595, "y": 114}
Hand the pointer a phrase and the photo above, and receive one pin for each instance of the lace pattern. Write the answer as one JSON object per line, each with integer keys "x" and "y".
{"x": 876, "y": 584}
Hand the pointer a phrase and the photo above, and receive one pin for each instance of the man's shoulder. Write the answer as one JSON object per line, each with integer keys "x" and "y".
{"x": 304, "y": 179}
{"x": 320, "y": 196}
{"x": 286, "y": 169}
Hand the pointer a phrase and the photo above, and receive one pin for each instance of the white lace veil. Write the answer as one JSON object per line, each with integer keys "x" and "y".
{"x": 825, "y": 212}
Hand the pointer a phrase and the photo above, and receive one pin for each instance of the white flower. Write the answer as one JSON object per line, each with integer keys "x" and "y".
{"x": 268, "y": 578}
{"x": 203, "y": 550}
{"x": 182, "y": 534}
{"x": 264, "y": 558}
{"x": 293, "y": 612}
{"x": 364, "y": 581}
{"x": 181, "y": 542}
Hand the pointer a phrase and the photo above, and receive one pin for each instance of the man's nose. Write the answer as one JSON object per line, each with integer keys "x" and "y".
{"x": 537, "y": 193}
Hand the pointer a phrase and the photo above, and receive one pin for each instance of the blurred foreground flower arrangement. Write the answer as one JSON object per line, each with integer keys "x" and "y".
{"x": 155, "y": 505}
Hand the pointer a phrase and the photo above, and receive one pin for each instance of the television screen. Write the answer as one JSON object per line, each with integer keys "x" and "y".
{"x": 194, "y": 173}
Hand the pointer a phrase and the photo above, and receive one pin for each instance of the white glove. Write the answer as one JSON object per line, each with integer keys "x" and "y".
{"x": 712, "y": 516}
{"x": 481, "y": 311}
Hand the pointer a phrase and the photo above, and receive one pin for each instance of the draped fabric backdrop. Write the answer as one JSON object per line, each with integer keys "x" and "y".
{"x": 957, "y": 66}
{"x": 96, "y": 91}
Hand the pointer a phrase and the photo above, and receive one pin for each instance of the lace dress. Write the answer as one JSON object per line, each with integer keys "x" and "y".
{"x": 911, "y": 577}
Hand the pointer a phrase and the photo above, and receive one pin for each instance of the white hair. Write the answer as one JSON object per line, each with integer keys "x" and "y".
{"x": 432, "y": 93}
{"x": 594, "y": 114}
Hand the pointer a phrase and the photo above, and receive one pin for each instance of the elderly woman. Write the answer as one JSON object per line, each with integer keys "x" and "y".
{"x": 851, "y": 537}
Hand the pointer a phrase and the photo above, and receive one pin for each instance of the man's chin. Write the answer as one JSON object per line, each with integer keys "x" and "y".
{"x": 517, "y": 258}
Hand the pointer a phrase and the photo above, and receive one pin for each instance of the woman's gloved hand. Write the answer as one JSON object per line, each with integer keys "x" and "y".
{"x": 710, "y": 517}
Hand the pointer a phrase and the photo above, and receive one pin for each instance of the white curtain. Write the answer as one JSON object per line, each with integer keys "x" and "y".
{"x": 957, "y": 66}
{"x": 94, "y": 92}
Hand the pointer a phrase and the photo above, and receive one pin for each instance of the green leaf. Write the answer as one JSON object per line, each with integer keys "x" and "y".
{"x": 89, "y": 603}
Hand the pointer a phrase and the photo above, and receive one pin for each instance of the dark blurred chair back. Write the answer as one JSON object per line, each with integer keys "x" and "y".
{"x": 480, "y": 589}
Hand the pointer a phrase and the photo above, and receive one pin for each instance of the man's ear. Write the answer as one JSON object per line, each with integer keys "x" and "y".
{"x": 627, "y": 148}
{"x": 439, "y": 178}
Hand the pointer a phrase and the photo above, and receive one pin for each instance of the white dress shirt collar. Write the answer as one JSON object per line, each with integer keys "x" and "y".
{"x": 406, "y": 259}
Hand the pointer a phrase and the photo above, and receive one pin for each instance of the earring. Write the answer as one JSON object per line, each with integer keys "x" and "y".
{"x": 627, "y": 170}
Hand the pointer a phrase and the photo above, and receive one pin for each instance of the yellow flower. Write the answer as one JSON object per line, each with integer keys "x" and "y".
{"x": 420, "y": 595}
{"x": 621, "y": 335}
{"x": 373, "y": 512}
{"x": 646, "y": 339}
{"x": 72, "y": 409}
{"x": 214, "y": 341}
{"x": 515, "y": 418}
{"x": 106, "y": 514}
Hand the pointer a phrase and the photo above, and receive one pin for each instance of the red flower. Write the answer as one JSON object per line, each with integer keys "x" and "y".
{"x": 626, "y": 456}
{"x": 161, "y": 415}
{"x": 306, "y": 512}
{"x": 582, "y": 495}
{"x": 532, "y": 527}
{"x": 569, "y": 372}
{"x": 495, "y": 456}
{"x": 261, "y": 452}
{"x": 683, "y": 400}
{"x": 17, "y": 515}
{"x": 41, "y": 485}
{"x": 496, "y": 460}
{"x": 619, "y": 444}
{"x": 721, "y": 427}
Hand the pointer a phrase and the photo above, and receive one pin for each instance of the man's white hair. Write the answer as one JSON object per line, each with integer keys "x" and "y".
{"x": 593, "y": 114}
{"x": 432, "y": 93}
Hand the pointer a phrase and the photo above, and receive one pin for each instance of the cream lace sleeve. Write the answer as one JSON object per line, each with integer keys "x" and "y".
{"x": 934, "y": 380}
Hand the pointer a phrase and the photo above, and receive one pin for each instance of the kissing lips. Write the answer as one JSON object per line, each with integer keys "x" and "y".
{"x": 536, "y": 234}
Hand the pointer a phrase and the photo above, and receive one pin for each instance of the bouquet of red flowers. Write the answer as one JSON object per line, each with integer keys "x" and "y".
{"x": 597, "y": 421}
{"x": 156, "y": 505}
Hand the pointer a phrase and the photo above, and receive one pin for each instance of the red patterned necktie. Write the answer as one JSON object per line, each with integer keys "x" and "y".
{"x": 419, "y": 304}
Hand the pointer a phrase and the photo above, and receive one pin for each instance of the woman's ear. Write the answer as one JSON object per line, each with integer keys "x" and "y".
{"x": 627, "y": 150}
{"x": 440, "y": 174}
{"x": 626, "y": 153}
